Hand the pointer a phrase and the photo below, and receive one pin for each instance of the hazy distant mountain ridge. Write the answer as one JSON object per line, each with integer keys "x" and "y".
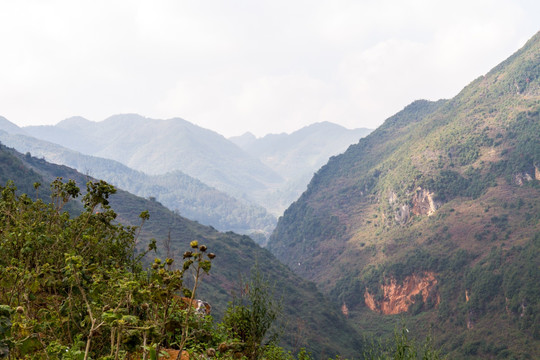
{"x": 166, "y": 145}
{"x": 176, "y": 190}
{"x": 272, "y": 171}
{"x": 243, "y": 140}
{"x": 298, "y": 155}
{"x": 293, "y": 155}
{"x": 67, "y": 134}
{"x": 161, "y": 146}
{"x": 10, "y": 127}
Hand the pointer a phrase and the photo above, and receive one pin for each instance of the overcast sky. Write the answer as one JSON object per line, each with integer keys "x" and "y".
{"x": 236, "y": 66}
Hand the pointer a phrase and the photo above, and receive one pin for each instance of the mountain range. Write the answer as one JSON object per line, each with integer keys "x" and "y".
{"x": 271, "y": 172}
{"x": 176, "y": 190}
{"x": 232, "y": 205}
{"x": 161, "y": 146}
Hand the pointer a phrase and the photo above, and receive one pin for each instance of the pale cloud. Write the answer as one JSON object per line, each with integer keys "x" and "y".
{"x": 264, "y": 66}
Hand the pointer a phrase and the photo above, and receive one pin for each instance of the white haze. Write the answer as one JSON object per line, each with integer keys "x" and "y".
{"x": 259, "y": 66}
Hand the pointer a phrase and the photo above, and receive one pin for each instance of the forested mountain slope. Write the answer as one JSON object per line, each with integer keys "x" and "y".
{"x": 176, "y": 190}
{"x": 435, "y": 216}
{"x": 309, "y": 320}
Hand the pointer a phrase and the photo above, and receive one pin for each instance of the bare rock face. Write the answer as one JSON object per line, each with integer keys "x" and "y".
{"x": 537, "y": 173}
{"x": 392, "y": 198}
{"x": 522, "y": 178}
{"x": 345, "y": 310}
{"x": 423, "y": 202}
{"x": 403, "y": 214}
{"x": 398, "y": 297}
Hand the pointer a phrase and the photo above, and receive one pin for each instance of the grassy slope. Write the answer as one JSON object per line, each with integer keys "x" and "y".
{"x": 309, "y": 319}
{"x": 471, "y": 152}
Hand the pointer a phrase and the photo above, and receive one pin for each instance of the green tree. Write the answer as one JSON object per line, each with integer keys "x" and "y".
{"x": 250, "y": 316}
{"x": 77, "y": 288}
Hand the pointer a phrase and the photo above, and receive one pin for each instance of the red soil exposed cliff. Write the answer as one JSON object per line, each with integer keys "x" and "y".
{"x": 398, "y": 297}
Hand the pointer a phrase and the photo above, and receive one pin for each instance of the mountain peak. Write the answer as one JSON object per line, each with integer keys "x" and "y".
{"x": 10, "y": 127}
{"x": 244, "y": 140}
{"x": 73, "y": 122}
{"x": 131, "y": 118}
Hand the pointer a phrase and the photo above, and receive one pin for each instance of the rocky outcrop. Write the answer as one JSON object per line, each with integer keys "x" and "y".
{"x": 402, "y": 214}
{"x": 397, "y": 297}
{"x": 522, "y": 178}
{"x": 392, "y": 198}
{"x": 345, "y": 310}
{"x": 424, "y": 203}
{"x": 537, "y": 173}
